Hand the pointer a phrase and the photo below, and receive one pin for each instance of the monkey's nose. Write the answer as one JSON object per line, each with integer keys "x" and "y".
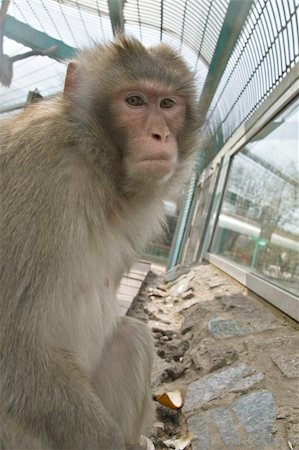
{"x": 162, "y": 137}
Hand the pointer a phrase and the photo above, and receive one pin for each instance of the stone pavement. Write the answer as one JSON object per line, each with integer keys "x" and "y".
{"x": 249, "y": 398}
{"x": 239, "y": 367}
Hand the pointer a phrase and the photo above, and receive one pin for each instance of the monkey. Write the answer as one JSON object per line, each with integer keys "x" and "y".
{"x": 83, "y": 178}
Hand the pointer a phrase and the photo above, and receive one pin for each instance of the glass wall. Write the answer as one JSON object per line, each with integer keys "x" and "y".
{"x": 159, "y": 249}
{"x": 258, "y": 224}
{"x": 198, "y": 215}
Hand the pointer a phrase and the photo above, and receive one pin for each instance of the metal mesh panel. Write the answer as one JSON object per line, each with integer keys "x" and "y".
{"x": 192, "y": 26}
{"x": 72, "y": 22}
{"x": 195, "y": 24}
{"x": 265, "y": 52}
{"x": 47, "y": 73}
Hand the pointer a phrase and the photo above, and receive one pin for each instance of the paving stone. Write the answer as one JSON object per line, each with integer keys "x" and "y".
{"x": 288, "y": 364}
{"x": 221, "y": 328}
{"x": 234, "y": 379}
{"x": 256, "y": 412}
{"x": 199, "y": 426}
{"x": 226, "y": 426}
{"x": 254, "y": 314}
{"x": 278, "y": 343}
{"x": 245, "y": 424}
{"x": 246, "y": 383}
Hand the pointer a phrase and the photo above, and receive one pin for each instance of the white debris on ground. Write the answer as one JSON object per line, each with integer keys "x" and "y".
{"x": 232, "y": 358}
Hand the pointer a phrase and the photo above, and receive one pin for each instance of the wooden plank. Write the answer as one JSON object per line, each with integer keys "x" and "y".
{"x": 141, "y": 265}
{"x": 124, "y": 297}
{"x": 138, "y": 272}
{"x": 130, "y": 282}
{"x": 140, "y": 268}
{"x": 135, "y": 276}
{"x": 123, "y": 289}
{"x": 130, "y": 285}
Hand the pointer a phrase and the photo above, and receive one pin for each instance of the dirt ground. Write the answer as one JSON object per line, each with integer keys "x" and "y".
{"x": 180, "y": 312}
{"x": 168, "y": 373}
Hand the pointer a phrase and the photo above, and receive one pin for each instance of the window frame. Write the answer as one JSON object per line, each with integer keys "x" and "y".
{"x": 285, "y": 93}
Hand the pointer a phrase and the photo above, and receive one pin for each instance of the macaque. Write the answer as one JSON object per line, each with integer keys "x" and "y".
{"x": 83, "y": 178}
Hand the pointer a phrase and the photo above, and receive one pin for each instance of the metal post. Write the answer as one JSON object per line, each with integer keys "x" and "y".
{"x": 116, "y": 15}
{"x": 30, "y": 37}
{"x": 234, "y": 20}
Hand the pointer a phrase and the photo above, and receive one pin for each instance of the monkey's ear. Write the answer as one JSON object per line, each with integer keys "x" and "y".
{"x": 70, "y": 81}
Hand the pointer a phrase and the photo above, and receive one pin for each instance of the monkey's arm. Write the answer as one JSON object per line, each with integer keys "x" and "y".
{"x": 43, "y": 387}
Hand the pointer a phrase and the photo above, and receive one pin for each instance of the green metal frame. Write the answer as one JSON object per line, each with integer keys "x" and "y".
{"x": 116, "y": 16}
{"x": 179, "y": 236}
{"x": 233, "y": 23}
{"x": 30, "y": 37}
{"x": 37, "y": 40}
{"x": 40, "y": 41}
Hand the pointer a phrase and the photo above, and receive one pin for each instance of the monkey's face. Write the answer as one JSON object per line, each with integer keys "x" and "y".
{"x": 150, "y": 116}
{"x": 143, "y": 102}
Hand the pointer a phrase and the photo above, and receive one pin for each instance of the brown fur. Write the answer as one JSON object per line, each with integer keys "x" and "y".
{"x": 70, "y": 219}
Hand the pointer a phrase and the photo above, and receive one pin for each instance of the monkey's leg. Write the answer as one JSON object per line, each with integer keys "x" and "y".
{"x": 65, "y": 414}
{"x": 123, "y": 378}
{"x": 13, "y": 436}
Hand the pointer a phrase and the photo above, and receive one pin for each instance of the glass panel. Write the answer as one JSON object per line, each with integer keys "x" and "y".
{"x": 159, "y": 248}
{"x": 258, "y": 225}
{"x": 201, "y": 205}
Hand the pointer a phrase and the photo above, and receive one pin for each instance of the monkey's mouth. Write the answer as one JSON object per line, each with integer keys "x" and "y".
{"x": 157, "y": 167}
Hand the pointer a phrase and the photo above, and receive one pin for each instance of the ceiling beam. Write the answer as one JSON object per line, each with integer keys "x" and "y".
{"x": 30, "y": 37}
{"x": 116, "y": 14}
{"x": 234, "y": 20}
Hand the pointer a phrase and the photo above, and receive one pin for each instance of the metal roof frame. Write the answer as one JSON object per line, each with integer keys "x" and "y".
{"x": 234, "y": 20}
{"x": 116, "y": 15}
{"x": 30, "y": 37}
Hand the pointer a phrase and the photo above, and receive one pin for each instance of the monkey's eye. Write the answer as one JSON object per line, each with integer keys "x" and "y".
{"x": 135, "y": 100}
{"x": 167, "y": 103}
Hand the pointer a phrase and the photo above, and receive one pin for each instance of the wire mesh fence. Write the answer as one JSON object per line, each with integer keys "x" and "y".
{"x": 266, "y": 51}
